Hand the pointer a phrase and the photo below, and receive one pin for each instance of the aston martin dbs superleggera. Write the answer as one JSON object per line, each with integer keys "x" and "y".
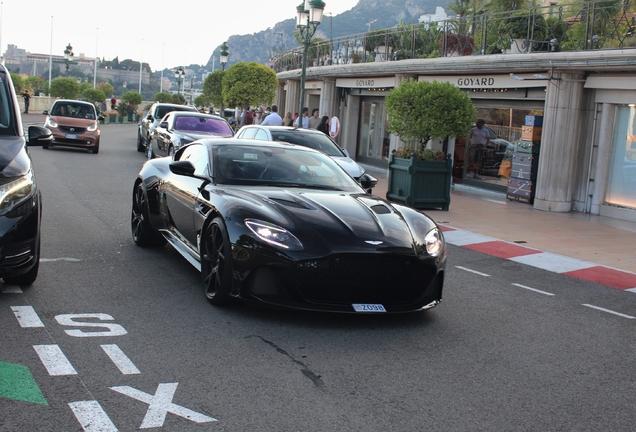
{"x": 285, "y": 225}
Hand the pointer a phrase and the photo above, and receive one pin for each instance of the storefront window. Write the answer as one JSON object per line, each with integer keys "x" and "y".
{"x": 488, "y": 163}
{"x": 373, "y": 139}
{"x": 621, "y": 189}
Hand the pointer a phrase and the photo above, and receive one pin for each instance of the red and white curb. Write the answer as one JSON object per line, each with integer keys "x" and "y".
{"x": 573, "y": 267}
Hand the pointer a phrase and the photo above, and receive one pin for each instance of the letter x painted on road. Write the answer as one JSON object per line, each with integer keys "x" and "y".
{"x": 161, "y": 404}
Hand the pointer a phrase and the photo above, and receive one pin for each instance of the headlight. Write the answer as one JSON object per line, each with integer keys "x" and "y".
{"x": 92, "y": 127}
{"x": 434, "y": 241}
{"x": 50, "y": 123}
{"x": 15, "y": 192}
{"x": 274, "y": 234}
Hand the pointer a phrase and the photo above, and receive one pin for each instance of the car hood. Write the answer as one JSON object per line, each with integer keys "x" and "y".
{"x": 349, "y": 165}
{"x": 73, "y": 121}
{"x": 327, "y": 220}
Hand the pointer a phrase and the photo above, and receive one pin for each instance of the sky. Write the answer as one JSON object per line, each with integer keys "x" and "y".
{"x": 164, "y": 34}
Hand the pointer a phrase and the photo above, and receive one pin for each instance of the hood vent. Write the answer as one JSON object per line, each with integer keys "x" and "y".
{"x": 288, "y": 203}
{"x": 380, "y": 209}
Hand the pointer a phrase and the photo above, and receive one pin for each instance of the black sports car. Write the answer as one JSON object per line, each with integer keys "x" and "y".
{"x": 285, "y": 225}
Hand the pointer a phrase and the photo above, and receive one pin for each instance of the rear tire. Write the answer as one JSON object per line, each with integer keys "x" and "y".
{"x": 142, "y": 231}
{"x": 140, "y": 145}
{"x": 216, "y": 263}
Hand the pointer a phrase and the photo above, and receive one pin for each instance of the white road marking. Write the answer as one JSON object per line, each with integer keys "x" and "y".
{"x": 553, "y": 262}
{"x": 10, "y": 289}
{"x": 92, "y": 417}
{"x": 472, "y": 271}
{"x": 161, "y": 404}
{"x": 125, "y": 365}
{"x": 463, "y": 238}
{"x": 27, "y": 317}
{"x": 532, "y": 289}
{"x": 54, "y": 360}
{"x": 609, "y": 311}
{"x": 60, "y": 259}
{"x": 68, "y": 320}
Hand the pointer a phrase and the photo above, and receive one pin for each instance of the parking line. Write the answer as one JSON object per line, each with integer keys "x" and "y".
{"x": 123, "y": 363}
{"x": 10, "y": 289}
{"x": 92, "y": 417}
{"x": 532, "y": 289}
{"x": 27, "y": 317}
{"x": 472, "y": 271}
{"x": 54, "y": 360}
{"x": 609, "y": 311}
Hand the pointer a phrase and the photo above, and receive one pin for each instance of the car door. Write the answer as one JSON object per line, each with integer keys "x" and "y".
{"x": 162, "y": 136}
{"x": 181, "y": 193}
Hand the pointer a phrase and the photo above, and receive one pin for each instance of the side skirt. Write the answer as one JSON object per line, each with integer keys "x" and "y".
{"x": 183, "y": 249}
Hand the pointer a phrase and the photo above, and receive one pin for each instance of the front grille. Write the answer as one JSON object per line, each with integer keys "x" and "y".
{"x": 76, "y": 130}
{"x": 362, "y": 278}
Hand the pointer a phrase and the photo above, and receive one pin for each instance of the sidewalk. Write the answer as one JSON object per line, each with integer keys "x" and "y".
{"x": 594, "y": 248}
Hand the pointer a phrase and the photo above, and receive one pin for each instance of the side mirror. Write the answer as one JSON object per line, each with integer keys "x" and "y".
{"x": 368, "y": 182}
{"x": 345, "y": 152}
{"x": 163, "y": 125}
{"x": 45, "y": 112}
{"x": 184, "y": 168}
{"x": 100, "y": 117}
{"x": 39, "y": 135}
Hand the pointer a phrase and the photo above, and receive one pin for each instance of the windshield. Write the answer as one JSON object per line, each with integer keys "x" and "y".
{"x": 320, "y": 142}
{"x": 73, "y": 109}
{"x": 202, "y": 125}
{"x": 261, "y": 165}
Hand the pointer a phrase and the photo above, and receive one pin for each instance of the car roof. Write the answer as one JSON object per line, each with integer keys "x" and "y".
{"x": 254, "y": 143}
{"x": 193, "y": 114}
{"x": 285, "y": 128}
{"x": 73, "y": 101}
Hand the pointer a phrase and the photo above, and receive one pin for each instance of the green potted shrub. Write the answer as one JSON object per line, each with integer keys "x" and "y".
{"x": 418, "y": 112}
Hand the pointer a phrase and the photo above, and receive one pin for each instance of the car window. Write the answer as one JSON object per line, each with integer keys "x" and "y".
{"x": 261, "y": 135}
{"x": 202, "y": 125}
{"x": 248, "y": 133}
{"x": 198, "y": 155}
{"x": 316, "y": 141}
{"x": 6, "y": 124}
{"x": 72, "y": 109}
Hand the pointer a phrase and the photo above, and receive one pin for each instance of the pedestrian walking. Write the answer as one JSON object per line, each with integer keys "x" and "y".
{"x": 304, "y": 119}
{"x": 288, "y": 120}
{"x": 324, "y": 125}
{"x": 479, "y": 139}
{"x": 314, "y": 120}
{"x": 273, "y": 119}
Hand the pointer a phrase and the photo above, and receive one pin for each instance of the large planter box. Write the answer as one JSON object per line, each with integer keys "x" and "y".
{"x": 420, "y": 184}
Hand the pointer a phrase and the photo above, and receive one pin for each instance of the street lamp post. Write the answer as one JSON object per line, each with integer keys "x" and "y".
{"x": 68, "y": 56}
{"x": 179, "y": 74}
{"x": 223, "y": 57}
{"x": 308, "y": 18}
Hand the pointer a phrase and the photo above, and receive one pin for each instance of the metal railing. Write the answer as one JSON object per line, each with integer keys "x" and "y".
{"x": 580, "y": 26}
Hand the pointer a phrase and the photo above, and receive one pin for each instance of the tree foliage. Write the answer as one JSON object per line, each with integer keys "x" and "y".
{"x": 419, "y": 111}
{"x": 66, "y": 88}
{"x": 17, "y": 82}
{"x": 213, "y": 88}
{"x": 249, "y": 84}
{"x": 131, "y": 98}
{"x": 93, "y": 95}
{"x": 163, "y": 97}
{"x": 106, "y": 88}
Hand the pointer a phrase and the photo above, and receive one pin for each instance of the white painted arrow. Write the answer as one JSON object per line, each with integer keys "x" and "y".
{"x": 161, "y": 404}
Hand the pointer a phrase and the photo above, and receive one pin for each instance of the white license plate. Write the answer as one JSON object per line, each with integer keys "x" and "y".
{"x": 69, "y": 136}
{"x": 368, "y": 308}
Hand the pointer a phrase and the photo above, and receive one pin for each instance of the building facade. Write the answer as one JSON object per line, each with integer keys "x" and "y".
{"x": 585, "y": 148}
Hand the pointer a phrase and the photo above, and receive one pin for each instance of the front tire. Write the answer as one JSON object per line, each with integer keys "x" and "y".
{"x": 149, "y": 153}
{"x": 140, "y": 144}
{"x": 216, "y": 263}
{"x": 142, "y": 231}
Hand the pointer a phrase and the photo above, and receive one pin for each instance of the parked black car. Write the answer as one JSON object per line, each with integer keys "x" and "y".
{"x": 179, "y": 128}
{"x": 20, "y": 200}
{"x": 285, "y": 225}
{"x": 151, "y": 120}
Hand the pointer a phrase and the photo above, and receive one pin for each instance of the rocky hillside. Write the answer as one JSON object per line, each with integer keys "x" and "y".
{"x": 261, "y": 46}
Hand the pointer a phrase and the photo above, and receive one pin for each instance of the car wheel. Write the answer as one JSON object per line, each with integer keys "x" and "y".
{"x": 149, "y": 153}
{"x": 29, "y": 277}
{"x": 45, "y": 147}
{"x": 140, "y": 144}
{"x": 216, "y": 263}
{"x": 96, "y": 149}
{"x": 142, "y": 231}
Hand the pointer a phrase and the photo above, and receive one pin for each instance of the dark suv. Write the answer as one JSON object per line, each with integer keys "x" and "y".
{"x": 20, "y": 202}
{"x": 151, "y": 120}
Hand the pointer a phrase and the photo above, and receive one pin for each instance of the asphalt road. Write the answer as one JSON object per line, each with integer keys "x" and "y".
{"x": 511, "y": 347}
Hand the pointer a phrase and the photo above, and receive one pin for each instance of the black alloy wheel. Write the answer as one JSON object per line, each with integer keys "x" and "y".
{"x": 140, "y": 145}
{"x": 142, "y": 231}
{"x": 216, "y": 263}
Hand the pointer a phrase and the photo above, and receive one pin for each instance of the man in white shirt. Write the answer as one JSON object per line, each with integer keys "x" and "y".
{"x": 334, "y": 127}
{"x": 273, "y": 119}
{"x": 305, "y": 119}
